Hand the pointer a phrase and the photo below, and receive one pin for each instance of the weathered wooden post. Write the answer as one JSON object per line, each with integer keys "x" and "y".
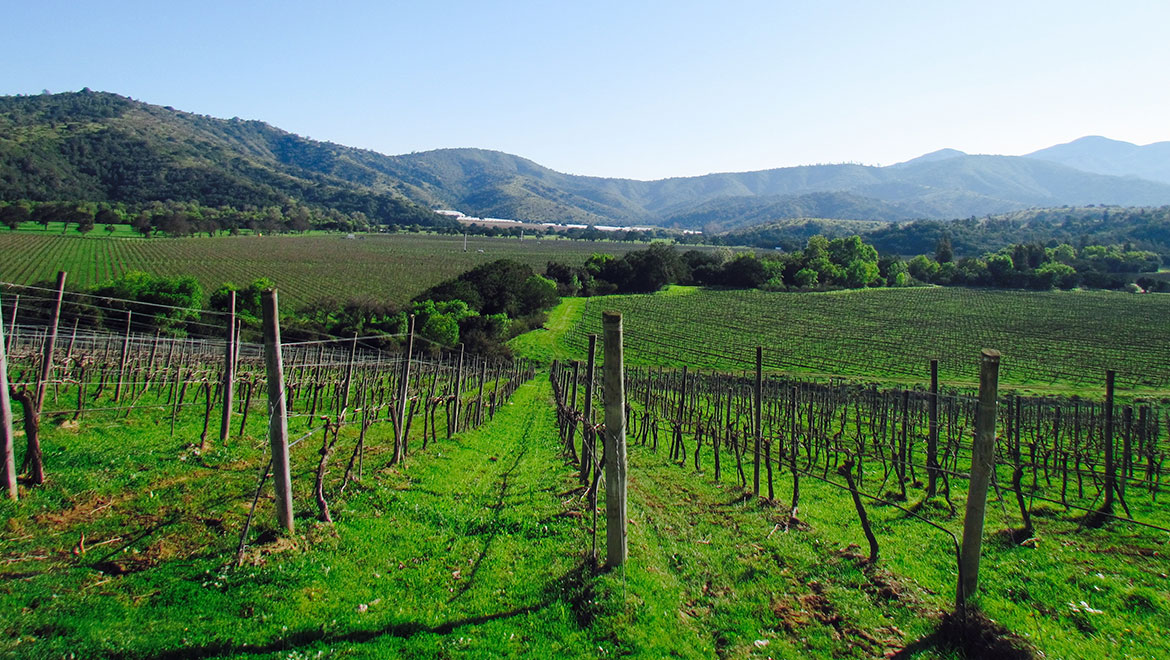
{"x": 12, "y": 323}
{"x": 932, "y": 434}
{"x": 588, "y": 437}
{"x": 124, "y": 357}
{"x": 229, "y": 371}
{"x": 400, "y": 429}
{"x": 982, "y": 465}
{"x": 1110, "y": 467}
{"x": 615, "y": 442}
{"x": 458, "y": 392}
{"x": 479, "y": 399}
{"x": 7, "y": 437}
{"x": 349, "y": 374}
{"x": 50, "y": 342}
{"x": 757, "y": 417}
{"x": 277, "y": 411}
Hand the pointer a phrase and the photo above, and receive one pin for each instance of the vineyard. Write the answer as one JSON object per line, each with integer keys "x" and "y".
{"x": 187, "y": 497}
{"x": 389, "y": 268}
{"x": 1050, "y": 340}
{"x": 1065, "y": 470}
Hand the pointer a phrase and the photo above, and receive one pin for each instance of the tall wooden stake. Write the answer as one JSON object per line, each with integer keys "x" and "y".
{"x": 122, "y": 360}
{"x": 277, "y": 411}
{"x": 229, "y": 371}
{"x": 932, "y": 434}
{"x": 458, "y": 391}
{"x": 7, "y": 438}
{"x": 1110, "y": 464}
{"x": 12, "y": 323}
{"x": 982, "y": 465}
{"x": 757, "y": 417}
{"x": 588, "y": 441}
{"x": 615, "y": 442}
{"x": 400, "y": 429}
{"x": 50, "y": 342}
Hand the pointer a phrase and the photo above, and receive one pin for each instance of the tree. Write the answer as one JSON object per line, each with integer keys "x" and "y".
{"x": 14, "y": 214}
{"x": 922, "y": 268}
{"x": 806, "y": 278}
{"x": 943, "y": 252}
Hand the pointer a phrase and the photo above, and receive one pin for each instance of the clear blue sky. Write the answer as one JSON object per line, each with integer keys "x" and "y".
{"x": 633, "y": 89}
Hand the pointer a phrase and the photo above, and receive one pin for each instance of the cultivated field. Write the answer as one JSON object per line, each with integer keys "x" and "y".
{"x": 1050, "y": 340}
{"x": 391, "y": 268}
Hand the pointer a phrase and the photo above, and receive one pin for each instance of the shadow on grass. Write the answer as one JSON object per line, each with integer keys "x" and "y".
{"x": 573, "y": 588}
{"x": 494, "y": 526}
{"x": 972, "y": 635}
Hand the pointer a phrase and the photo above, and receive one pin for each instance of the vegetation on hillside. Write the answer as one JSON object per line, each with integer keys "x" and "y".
{"x": 1145, "y": 228}
{"x": 849, "y": 262}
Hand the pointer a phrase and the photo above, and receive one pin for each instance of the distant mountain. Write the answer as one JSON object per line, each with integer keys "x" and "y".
{"x": 103, "y": 147}
{"x": 1114, "y": 157}
{"x": 941, "y": 154}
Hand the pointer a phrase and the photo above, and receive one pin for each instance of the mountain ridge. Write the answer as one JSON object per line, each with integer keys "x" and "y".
{"x": 101, "y": 146}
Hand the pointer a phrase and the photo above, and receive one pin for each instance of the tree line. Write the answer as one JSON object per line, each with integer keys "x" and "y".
{"x": 481, "y": 309}
{"x": 851, "y": 263}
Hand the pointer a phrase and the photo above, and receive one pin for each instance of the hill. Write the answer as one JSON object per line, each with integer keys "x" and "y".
{"x": 95, "y": 146}
{"x": 90, "y": 146}
{"x": 1104, "y": 156}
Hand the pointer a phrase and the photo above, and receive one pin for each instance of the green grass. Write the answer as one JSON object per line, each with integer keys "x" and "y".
{"x": 725, "y": 571}
{"x": 466, "y": 551}
{"x": 387, "y": 267}
{"x": 1052, "y": 342}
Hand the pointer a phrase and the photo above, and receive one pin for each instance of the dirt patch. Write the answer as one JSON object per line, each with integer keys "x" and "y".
{"x": 267, "y": 544}
{"x": 86, "y": 510}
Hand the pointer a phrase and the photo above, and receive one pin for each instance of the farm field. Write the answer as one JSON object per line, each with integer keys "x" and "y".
{"x": 392, "y": 268}
{"x": 478, "y": 546}
{"x": 1051, "y": 341}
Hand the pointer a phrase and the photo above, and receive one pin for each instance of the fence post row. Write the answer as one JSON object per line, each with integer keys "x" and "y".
{"x": 615, "y": 442}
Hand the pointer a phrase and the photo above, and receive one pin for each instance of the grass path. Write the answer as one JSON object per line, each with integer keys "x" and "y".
{"x": 713, "y": 574}
{"x": 547, "y": 344}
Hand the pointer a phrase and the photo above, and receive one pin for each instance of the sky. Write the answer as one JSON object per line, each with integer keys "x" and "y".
{"x": 643, "y": 90}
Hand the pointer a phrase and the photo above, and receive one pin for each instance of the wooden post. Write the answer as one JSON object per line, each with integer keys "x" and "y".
{"x": 47, "y": 361}
{"x": 932, "y": 434}
{"x": 1110, "y": 467}
{"x": 349, "y": 373}
{"x": 982, "y": 465}
{"x": 757, "y": 417}
{"x": 12, "y": 323}
{"x": 588, "y": 442}
{"x": 458, "y": 391}
{"x": 400, "y": 429}
{"x": 277, "y": 411}
{"x": 7, "y": 437}
{"x": 122, "y": 360}
{"x": 479, "y": 399}
{"x": 615, "y": 442}
{"x": 229, "y": 371}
